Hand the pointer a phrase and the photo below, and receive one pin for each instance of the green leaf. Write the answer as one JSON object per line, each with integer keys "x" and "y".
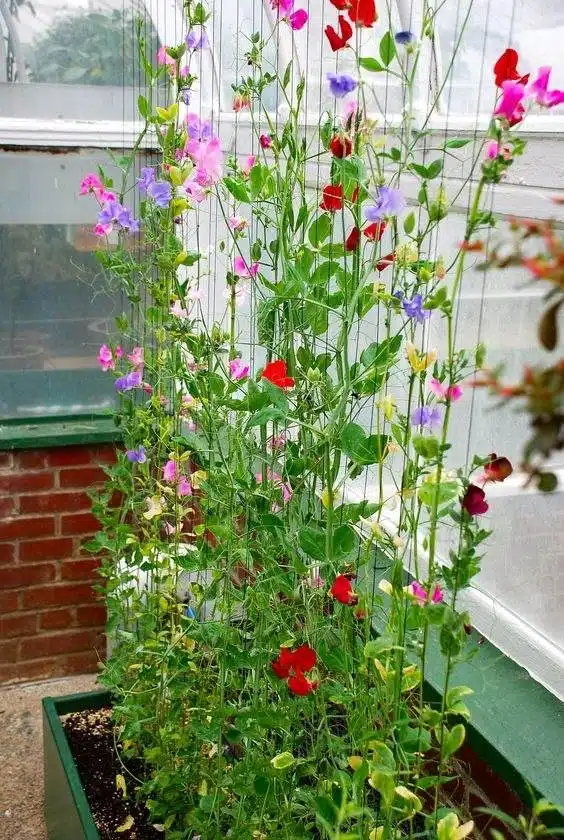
{"x": 326, "y": 810}
{"x": 317, "y": 317}
{"x": 371, "y": 64}
{"x": 256, "y": 179}
{"x": 143, "y": 107}
{"x": 283, "y": 761}
{"x": 456, "y": 144}
{"x": 287, "y": 75}
{"x": 312, "y": 542}
{"x": 381, "y": 354}
{"x": 387, "y": 48}
{"x": 265, "y": 415}
{"x": 426, "y": 445}
{"x": 361, "y": 448}
{"x": 237, "y": 190}
{"x": 453, "y": 740}
{"x": 409, "y": 223}
{"x": 344, "y": 541}
{"x": 428, "y": 172}
{"x": 320, "y": 229}
{"x": 261, "y": 785}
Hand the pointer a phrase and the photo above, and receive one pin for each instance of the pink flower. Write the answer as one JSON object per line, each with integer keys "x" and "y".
{"x": 103, "y": 230}
{"x": 420, "y": 594}
{"x": 137, "y": 357}
{"x": 171, "y": 529}
{"x": 238, "y": 369}
{"x": 207, "y": 158}
{"x": 170, "y": 471}
{"x": 237, "y": 223}
{"x": 298, "y": 19}
{"x": 164, "y": 58}
{"x": 90, "y": 183}
{"x": 184, "y": 486}
{"x": 119, "y": 352}
{"x": 510, "y": 105}
{"x": 539, "y": 90}
{"x": 246, "y": 169}
{"x": 241, "y": 269}
{"x": 277, "y": 481}
{"x": 277, "y": 442}
{"x": 195, "y": 191}
{"x": 105, "y": 358}
{"x": 240, "y": 102}
{"x": 178, "y": 311}
{"x": 492, "y": 150}
{"x": 265, "y": 141}
{"x": 444, "y": 392}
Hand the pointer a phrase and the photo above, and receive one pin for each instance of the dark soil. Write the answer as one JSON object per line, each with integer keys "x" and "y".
{"x": 91, "y": 738}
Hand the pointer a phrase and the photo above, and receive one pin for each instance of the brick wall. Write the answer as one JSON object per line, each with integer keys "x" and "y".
{"x": 51, "y": 621}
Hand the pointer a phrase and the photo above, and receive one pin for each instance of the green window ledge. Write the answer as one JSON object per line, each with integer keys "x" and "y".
{"x": 63, "y": 431}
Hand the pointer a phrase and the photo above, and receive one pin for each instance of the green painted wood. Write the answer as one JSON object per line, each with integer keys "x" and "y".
{"x": 64, "y": 431}
{"x": 66, "y": 809}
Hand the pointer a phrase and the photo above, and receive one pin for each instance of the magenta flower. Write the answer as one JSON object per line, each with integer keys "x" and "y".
{"x": 105, "y": 358}
{"x": 137, "y": 357}
{"x": 265, "y": 141}
{"x": 421, "y": 596}
{"x": 390, "y": 202}
{"x": 129, "y": 381}
{"x": 241, "y": 269}
{"x": 170, "y": 471}
{"x": 510, "y": 104}
{"x": 184, "y": 487}
{"x": 444, "y": 392}
{"x": 428, "y": 417}
{"x": 340, "y": 84}
{"x": 298, "y": 19}
{"x": 492, "y": 150}
{"x": 539, "y": 89}
{"x": 90, "y": 183}
{"x": 136, "y": 456}
{"x": 238, "y": 369}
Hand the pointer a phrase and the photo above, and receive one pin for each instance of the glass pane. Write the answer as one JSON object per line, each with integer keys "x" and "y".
{"x": 535, "y": 30}
{"x": 86, "y": 48}
{"x": 56, "y": 306}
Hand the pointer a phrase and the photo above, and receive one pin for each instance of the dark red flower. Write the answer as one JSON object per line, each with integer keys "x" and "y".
{"x": 498, "y": 469}
{"x": 505, "y": 69}
{"x": 339, "y": 41}
{"x": 341, "y": 5}
{"x": 352, "y": 241}
{"x": 341, "y": 146}
{"x": 385, "y": 262}
{"x": 332, "y": 198}
{"x": 276, "y": 372}
{"x": 304, "y": 658}
{"x": 342, "y": 591}
{"x": 360, "y": 614}
{"x": 354, "y": 195}
{"x": 363, "y": 12}
{"x": 375, "y": 231}
{"x": 298, "y": 684}
{"x": 474, "y": 501}
{"x": 282, "y": 666}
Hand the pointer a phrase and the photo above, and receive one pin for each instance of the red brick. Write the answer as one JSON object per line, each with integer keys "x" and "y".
{"x": 84, "y": 569}
{"x": 54, "y": 502}
{"x": 6, "y": 460}
{"x": 57, "y": 595}
{"x": 70, "y": 456}
{"x": 32, "y": 460}
{"x": 31, "y": 552}
{"x": 91, "y": 616}
{"x": 8, "y": 673}
{"x": 18, "y": 625}
{"x": 7, "y": 506}
{"x": 43, "y": 669}
{"x": 79, "y": 523}
{"x": 81, "y": 477}
{"x": 57, "y": 643}
{"x": 9, "y": 602}
{"x": 27, "y": 526}
{"x": 9, "y": 651}
{"x": 55, "y": 619}
{"x": 7, "y": 553}
{"x": 26, "y": 482}
{"x": 86, "y": 662}
{"x": 14, "y": 577}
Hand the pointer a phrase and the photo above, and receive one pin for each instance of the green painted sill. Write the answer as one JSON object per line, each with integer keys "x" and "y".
{"x": 64, "y": 431}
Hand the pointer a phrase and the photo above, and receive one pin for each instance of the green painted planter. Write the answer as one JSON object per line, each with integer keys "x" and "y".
{"x": 67, "y": 813}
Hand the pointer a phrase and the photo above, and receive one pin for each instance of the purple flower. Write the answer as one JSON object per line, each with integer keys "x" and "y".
{"x": 428, "y": 417}
{"x": 160, "y": 192}
{"x": 404, "y": 37}
{"x": 340, "y": 84}
{"x": 136, "y": 456}
{"x": 147, "y": 178}
{"x": 198, "y": 129}
{"x": 390, "y": 202}
{"x": 197, "y": 39}
{"x": 114, "y": 212}
{"x": 413, "y": 309}
{"x": 129, "y": 381}
{"x": 186, "y": 95}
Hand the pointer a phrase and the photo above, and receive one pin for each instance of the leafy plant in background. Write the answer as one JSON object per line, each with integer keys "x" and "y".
{"x": 244, "y": 580}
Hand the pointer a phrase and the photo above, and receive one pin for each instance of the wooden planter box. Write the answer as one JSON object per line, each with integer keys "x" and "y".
{"x": 67, "y": 813}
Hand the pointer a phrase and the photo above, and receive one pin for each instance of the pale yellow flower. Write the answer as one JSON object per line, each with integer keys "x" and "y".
{"x": 387, "y": 404}
{"x": 406, "y": 253}
{"x": 419, "y": 361}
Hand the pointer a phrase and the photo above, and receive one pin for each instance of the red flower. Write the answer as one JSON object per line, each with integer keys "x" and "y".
{"x": 385, "y": 262}
{"x": 282, "y": 666}
{"x": 352, "y": 240}
{"x": 375, "y": 231}
{"x": 354, "y": 195}
{"x": 505, "y": 69}
{"x": 298, "y": 684}
{"x": 332, "y": 198}
{"x": 276, "y": 372}
{"x": 341, "y": 146}
{"x": 341, "y": 5}
{"x": 304, "y": 658}
{"x": 498, "y": 469}
{"x": 336, "y": 41}
{"x": 363, "y": 12}
{"x": 474, "y": 501}
{"x": 342, "y": 591}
